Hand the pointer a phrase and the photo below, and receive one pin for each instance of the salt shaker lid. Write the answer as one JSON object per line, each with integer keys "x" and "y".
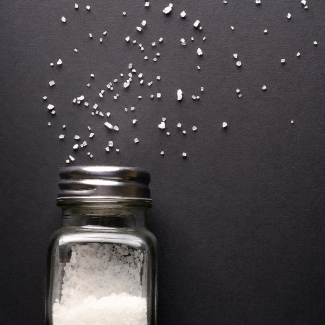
{"x": 88, "y": 183}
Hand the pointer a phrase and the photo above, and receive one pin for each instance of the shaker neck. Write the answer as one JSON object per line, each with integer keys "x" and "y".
{"x": 104, "y": 216}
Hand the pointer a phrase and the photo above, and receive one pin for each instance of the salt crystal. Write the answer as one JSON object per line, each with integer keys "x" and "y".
{"x": 147, "y": 4}
{"x": 258, "y": 2}
{"x": 134, "y": 121}
{"x": 75, "y": 147}
{"x": 76, "y": 6}
{"x": 298, "y": 54}
{"x": 64, "y": 19}
{"x": 90, "y": 35}
{"x": 183, "y": 14}
{"x": 76, "y": 50}
{"x": 49, "y": 124}
{"x": 162, "y": 125}
{"x": 179, "y": 125}
{"x": 160, "y": 39}
{"x": 61, "y": 136}
{"x": 50, "y": 107}
{"x": 179, "y": 94}
{"x": 139, "y": 29}
{"x": 238, "y": 63}
{"x": 184, "y": 132}
{"x": 199, "y": 52}
{"x": 232, "y": 27}
{"x": 136, "y": 140}
{"x": 235, "y": 55}
{"x": 315, "y": 43}
{"x": 88, "y": 8}
{"x": 224, "y": 124}
{"x": 158, "y": 95}
{"x": 59, "y": 62}
{"x": 91, "y": 135}
{"x": 143, "y": 23}
{"x": 289, "y": 15}
{"x": 108, "y": 125}
{"x": 184, "y": 155}
{"x": 194, "y": 128}
{"x": 67, "y": 161}
{"x": 162, "y": 153}
{"x": 167, "y": 10}
{"x": 44, "y": 98}
{"x": 265, "y": 31}
{"x": 52, "y": 83}
{"x": 264, "y": 87}
{"x": 196, "y": 24}
{"x": 283, "y": 61}
{"x": 71, "y": 158}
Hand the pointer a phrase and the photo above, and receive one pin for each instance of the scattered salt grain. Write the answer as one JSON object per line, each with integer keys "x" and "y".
{"x": 283, "y": 61}
{"x": 289, "y": 15}
{"x": 265, "y": 31}
{"x": 67, "y": 161}
{"x": 160, "y": 40}
{"x": 91, "y": 135}
{"x": 44, "y": 98}
{"x": 162, "y": 125}
{"x": 158, "y": 95}
{"x": 224, "y": 124}
{"x": 232, "y": 27}
{"x": 264, "y": 88}
{"x": 144, "y": 23}
{"x": 235, "y": 55}
{"x": 49, "y": 124}
{"x": 162, "y": 153}
{"x": 315, "y": 43}
{"x": 199, "y": 52}
{"x": 90, "y": 35}
{"x": 136, "y": 140}
{"x": 168, "y": 9}
{"x": 52, "y": 83}
{"x": 183, "y": 14}
{"x": 50, "y": 107}
{"x": 184, "y": 155}
{"x": 194, "y": 128}
{"x": 77, "y": 137}
{"x": 61, "y": 136}
{"x": 59, "y": 62}
{"x": 71, "y": 158}
{"x": 134, "y": 121}
{"x": 139, "y": 29}
{"x": 196, "y": 24}
{"x": 63, "y": 19}
{"x": 258, "y": 2}
{"x": 238, "y": 63}
{"x": 76, "y": 50}
{"x": 88, "y": 7}
{"x": 147, "y": 4}
{"x": 179, "y": 125}
{"x": 75, "y": 147}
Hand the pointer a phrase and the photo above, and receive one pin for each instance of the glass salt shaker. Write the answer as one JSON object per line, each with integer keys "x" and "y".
{"x": 102, "y": 263}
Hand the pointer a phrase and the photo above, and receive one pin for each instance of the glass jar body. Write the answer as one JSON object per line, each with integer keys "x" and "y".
{"x": 102, "y": 267}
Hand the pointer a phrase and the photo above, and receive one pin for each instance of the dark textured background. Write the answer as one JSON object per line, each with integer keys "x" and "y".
{"x": 240, "y": 222}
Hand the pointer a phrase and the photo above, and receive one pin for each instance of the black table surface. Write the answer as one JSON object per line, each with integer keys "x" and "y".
{"x": 240, "y": 221}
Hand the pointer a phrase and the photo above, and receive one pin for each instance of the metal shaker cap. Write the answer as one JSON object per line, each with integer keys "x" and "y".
{"x": 103, "y": 183}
